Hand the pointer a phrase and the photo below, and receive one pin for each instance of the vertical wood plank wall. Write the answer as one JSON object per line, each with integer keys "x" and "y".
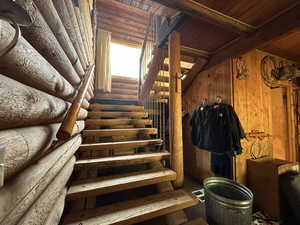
{"x": 38, "y": 82}
{"x": 261, "y": 108}
{"x": 258, "y": 107}
{"x": 208, "y": 84}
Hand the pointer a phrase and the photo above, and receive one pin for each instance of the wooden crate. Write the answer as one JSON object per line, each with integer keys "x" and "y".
{"x": 263, "y": 180}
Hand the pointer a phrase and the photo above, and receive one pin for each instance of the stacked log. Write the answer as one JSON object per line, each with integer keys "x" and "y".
{"x": 39, "y": 79}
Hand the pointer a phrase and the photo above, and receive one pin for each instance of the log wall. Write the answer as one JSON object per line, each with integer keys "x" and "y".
{"x": 39, "y": 79}
{"x": 259, "y": 108}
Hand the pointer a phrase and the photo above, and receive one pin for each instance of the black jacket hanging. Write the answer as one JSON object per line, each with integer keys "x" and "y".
{"x": 216, "y": 128}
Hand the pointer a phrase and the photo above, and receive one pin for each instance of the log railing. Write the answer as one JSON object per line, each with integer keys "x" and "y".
{"x": 66, "y": 128}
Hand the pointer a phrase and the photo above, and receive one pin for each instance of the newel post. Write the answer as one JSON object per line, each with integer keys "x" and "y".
{"x": 175, "y": 109}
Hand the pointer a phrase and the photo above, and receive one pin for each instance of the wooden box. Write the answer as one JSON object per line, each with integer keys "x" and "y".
{"x": 263, "y": 180}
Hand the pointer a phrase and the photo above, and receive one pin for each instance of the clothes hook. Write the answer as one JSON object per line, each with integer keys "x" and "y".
{"x": 219, "y": 99}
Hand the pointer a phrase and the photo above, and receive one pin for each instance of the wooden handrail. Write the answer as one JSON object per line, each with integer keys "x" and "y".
{"x": 66, "y": 128}
{"x": 143, "y": 50}
{"x": 154, "y": 68}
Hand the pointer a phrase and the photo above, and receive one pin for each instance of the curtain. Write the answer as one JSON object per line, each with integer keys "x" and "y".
{"x": 103, "y": 64}
{"x": 147, "y": 58}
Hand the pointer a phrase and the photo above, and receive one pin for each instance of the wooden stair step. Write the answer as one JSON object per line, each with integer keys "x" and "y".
{"x": 122, "y": 79}
{"x": 162, "y": 78}
{"x": 160, "y": 88}
{"x": 115, "y": 96}
{"x": 101, "y": 114}
{"x": 116, "y": 107}
{"x": 124, "y": 160}
{"x": 119, "y": 132}
{"x": 109, "y": 184}
{"x": 116, "y": 122}
{"x": 133, "y": 211}
{"x": 124, "y": 91}
{"x": 124, "y": 85}
{"x": 123, "y": 144}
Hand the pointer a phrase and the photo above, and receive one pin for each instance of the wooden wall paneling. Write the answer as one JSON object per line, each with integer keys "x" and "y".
{"x": 40, "y": 36}
{"x": 293, "y": 152}
{"x": 280, "y": 124}
{"x": 208, "y": 84}
{"x": 66, "y": 20}
{"x": 57, "y": 210}
{"x": 37, "y": 214}
{"x": 263, "y": 109}
{"x": 52, "y": 18}
{"x": 25, "y": 106}
{"x": 22, "y": 191}
{"x": 74, "y": 21}
{"x": 24, "y": 145}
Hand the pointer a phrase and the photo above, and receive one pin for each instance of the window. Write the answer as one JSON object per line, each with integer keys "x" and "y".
{"x": 125, "y": 60}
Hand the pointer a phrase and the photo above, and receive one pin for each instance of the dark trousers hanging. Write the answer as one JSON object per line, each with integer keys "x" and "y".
{"x": 221, "y": 165}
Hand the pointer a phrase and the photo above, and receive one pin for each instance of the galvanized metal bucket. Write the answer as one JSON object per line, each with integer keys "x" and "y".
{"x": 227, "y": 202}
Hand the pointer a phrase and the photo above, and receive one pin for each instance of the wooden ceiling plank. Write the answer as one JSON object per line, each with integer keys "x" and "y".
{"x": 123, "y": 31}
{"x": 122, "y": 7}
{"x": 124, "y": 15}
{"x": 286, "y": 22}
{"x": 209, "y": 15}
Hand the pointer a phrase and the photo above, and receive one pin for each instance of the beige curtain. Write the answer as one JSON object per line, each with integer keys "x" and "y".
{"x": 103, "y": 64}
{"x": 147, "y": 58}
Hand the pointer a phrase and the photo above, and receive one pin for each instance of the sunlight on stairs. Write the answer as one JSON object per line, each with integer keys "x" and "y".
{"x": 119, "y": 135}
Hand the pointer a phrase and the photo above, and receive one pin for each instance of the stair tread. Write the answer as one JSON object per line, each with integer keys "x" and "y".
{"x": 119, "y": 132}
{"x": 93, "y": 114}
{"x": 122, "y": 144}
{"x": 117, "y": 107}
{"x": 133, "y": 211}
{"x": 123, "y": 160}
{"x": 110, "y": 122}
{"x": 109, "y": 184}
{"x": 124, "y": 79}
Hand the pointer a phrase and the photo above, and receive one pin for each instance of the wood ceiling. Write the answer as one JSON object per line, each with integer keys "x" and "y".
{"x": 219, "y": 28}
{"x": 126, "y": 19}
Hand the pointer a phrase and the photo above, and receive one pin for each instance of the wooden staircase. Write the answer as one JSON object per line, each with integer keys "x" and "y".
{"x": 160, "y": 89}
{"x": 119, "y": 137}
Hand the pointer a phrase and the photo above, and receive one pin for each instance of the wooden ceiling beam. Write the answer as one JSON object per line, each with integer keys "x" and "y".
{"x": 194, "y": 52}
{"x": 209, "y": 15}
{"x": 286, "y": 22}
